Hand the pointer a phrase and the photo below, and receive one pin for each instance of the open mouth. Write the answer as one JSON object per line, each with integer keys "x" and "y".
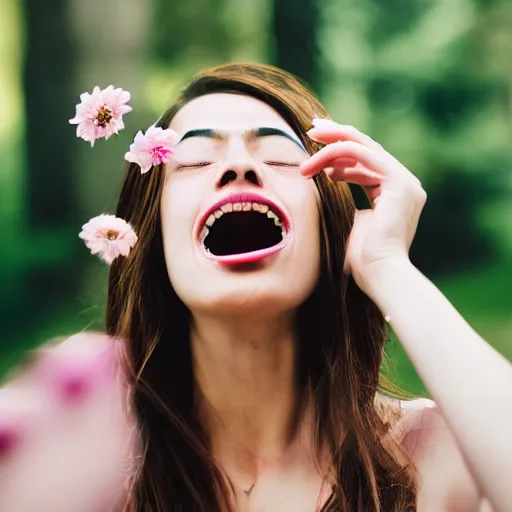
{"x": 243, "y": 227}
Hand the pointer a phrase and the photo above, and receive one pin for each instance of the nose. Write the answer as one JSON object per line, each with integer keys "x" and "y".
{"x": 230, "y": 175}
{"x": 239, "y": 166}
{"x": 242, "y": 172}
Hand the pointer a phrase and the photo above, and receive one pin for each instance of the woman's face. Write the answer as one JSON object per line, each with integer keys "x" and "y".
{"x": 240, "y": 223}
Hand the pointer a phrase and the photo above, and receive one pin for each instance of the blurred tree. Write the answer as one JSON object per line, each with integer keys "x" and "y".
{"x": 187, "y": 37}
{"x": 392, "y": 18}
{"x": 48, "y": 72}
{"x": 295, "y": 24}
{"x": 418, "y": 77}
{"x": 190, "y": 28}
{"x": 450, "y": 230}
{"x": 48, "y": 92}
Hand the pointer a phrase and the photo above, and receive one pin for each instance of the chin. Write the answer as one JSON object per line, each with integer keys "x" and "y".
{"x": 258, "y": 294}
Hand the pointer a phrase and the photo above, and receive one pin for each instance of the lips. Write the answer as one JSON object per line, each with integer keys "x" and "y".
{"x": 242, "y": 228}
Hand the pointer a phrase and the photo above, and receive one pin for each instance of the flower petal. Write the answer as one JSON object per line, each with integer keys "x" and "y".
{"x": 91, "y": 110}
{"x": 97, "y": 237}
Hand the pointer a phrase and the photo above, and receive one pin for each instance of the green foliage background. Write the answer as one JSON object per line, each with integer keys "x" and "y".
{"x": 431, "y": 80}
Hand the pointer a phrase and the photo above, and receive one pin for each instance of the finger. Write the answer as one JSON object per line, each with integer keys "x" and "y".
{"x": 343, "y": 162}
{"x": 369, "y": 181}
{"x": 330, "y": 132}
{"x": 374, "y": 161}
{"x": 356, "y": 174}
{"x": 327, "y": 131}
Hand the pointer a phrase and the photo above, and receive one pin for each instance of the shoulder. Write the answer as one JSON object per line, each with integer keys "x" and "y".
{"x": 444, "y": 480}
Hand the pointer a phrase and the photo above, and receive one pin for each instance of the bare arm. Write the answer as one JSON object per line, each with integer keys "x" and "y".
{"x": 470, "y": 382}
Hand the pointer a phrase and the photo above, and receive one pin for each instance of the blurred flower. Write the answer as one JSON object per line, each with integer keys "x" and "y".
{"x": 109, "y": 236}
{"x": 155, "y": 147}
{"x": 99, "y": 115}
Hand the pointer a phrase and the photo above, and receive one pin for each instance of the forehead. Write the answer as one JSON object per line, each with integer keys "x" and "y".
{"x": 227, "y": 112}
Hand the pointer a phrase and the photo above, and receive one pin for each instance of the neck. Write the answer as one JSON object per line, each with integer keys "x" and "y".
{"x": 247, "y": 397}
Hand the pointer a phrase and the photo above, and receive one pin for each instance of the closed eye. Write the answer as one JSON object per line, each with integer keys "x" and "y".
{"x": 194, "y": 164}
{"x": 281, "y": 164}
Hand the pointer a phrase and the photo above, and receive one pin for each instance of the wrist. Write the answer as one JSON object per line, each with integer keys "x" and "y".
{"x": 385, "y": 273}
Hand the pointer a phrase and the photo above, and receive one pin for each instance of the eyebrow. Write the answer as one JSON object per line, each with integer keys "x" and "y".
{"x": 254, "y": 133}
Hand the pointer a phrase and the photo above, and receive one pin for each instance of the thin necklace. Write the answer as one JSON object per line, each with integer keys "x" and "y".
{"x": 248, "y": 492}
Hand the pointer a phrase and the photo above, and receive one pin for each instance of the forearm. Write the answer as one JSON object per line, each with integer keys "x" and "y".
{"x": 468, "y": 379}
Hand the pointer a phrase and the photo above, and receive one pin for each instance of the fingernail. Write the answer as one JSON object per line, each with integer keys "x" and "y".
{"x": 319, "y": 122}
{"x": 312, "y": 137}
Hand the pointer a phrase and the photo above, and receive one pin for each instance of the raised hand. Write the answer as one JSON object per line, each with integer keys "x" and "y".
{"x": 386, "y": 231}
{"x": 68, "y": 442}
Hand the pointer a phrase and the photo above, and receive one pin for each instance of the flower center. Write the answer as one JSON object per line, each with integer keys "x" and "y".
{"x": 112, "y": 235}
{"x": 160, "y": 153}
{"x": 103, "y": 117}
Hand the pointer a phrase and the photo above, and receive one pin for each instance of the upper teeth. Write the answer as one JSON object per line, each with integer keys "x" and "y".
{"x": 238, "y": 207}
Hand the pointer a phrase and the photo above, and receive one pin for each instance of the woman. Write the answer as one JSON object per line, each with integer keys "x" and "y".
{"x": 253, "y": 309}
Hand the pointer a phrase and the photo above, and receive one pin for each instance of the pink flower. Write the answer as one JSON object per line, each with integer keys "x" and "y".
{"x": 153, "y": 148}
{"x": 99, "y": 115}
{"x": 109, "y": 236}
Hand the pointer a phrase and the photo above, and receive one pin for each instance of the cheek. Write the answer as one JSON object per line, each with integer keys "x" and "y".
{"x": 169, "y": 208}
{"x": 306, "y": 204}
{"x": 309, "y": 240}
{"x": 176, "y": 210}
{"x": 307, "y": 227}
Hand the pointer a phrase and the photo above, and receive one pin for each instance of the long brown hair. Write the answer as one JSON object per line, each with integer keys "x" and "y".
{"x": 341, "y": 337}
